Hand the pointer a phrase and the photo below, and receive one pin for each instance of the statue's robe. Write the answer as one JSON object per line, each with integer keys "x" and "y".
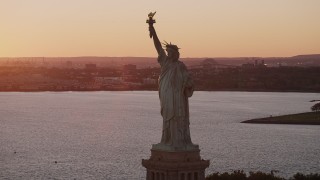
{"x": 175, "y": 86}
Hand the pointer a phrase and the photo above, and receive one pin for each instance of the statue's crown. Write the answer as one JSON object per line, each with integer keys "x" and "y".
{"x": 172, "y": 46}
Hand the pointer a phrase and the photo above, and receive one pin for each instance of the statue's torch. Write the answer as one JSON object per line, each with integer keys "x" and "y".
{"x": 150, "y": 21}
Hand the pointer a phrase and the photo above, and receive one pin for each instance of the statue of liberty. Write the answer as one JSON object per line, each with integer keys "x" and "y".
{"x": 175, "y": 87}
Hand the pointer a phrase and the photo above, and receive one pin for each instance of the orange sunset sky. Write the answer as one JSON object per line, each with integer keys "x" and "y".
{"x": 204, "y": 28}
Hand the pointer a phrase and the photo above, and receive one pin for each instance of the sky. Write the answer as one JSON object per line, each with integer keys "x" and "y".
{"x": 117, "y": 28}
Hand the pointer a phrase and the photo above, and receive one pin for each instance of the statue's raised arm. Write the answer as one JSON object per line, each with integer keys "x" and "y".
{"x": 153, "y": 34}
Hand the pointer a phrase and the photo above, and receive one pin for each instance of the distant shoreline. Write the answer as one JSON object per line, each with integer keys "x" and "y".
{"x": 307, "y": 118}
{"x": 133, "y": 89}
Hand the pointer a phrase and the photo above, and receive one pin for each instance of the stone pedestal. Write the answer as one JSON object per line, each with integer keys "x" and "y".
{"x": 175, "y": 165}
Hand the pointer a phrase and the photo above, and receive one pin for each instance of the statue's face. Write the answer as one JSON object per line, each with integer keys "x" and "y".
{"x": 170, "y": 52}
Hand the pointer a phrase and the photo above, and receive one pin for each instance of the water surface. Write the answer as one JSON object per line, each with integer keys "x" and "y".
{"x": 104, "y": 135}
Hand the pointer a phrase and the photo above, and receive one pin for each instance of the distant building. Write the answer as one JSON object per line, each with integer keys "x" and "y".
{"x": 109, "y": 80}
{"x": 149, "y": 81}
{"x": 247, "y": 65}
{"x": 254, "y": 65}
{"x": 208, "y": 63}
{"x": 262, "y": 64}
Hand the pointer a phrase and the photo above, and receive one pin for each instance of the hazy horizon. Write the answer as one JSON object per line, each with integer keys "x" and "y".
{"x": 84, "y": 56}
{"x": 208, "y": 28}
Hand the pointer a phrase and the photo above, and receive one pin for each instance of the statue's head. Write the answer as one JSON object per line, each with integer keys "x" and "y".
{"x": 172, "y": 51}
